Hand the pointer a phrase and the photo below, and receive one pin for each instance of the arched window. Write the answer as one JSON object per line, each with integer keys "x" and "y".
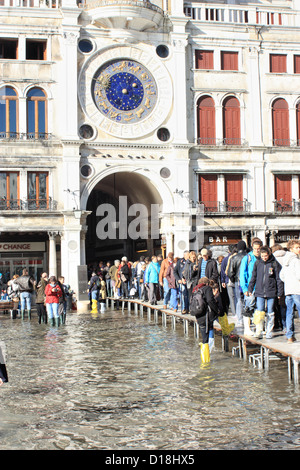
{"x": 8, "y": 112}
{"x": 280, "y": 123}
{"x": 231, "y": 121}
{"x": 298, "y": 122}
{"x": 206, "y": 121}
{"x": 36, "y": 114}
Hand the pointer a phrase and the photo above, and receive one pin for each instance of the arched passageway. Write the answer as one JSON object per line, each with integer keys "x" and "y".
{"x": 124, "y": 218}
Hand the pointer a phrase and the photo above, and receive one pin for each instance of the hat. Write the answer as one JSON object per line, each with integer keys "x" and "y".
{"x": 241, "y": 245}
{"x": 204, "y": 251}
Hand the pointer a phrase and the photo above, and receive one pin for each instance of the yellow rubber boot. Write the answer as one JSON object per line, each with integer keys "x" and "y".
{"x": 94, "y": 306}
{"x": 204, "y": 353}
{"x": 258, "y": 320}
{"x": 226, "y": 327}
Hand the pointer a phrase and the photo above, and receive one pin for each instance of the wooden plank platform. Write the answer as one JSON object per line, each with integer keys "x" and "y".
{"x": 268, "y": 349}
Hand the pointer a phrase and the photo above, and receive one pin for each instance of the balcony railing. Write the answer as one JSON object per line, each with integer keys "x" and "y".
{"x": 244, "y": 14}
{"x": 90, "y": 4}
{"x": 13, "y": 136}
{"x": 31, "y": 3}
{"x": 235, "y": 207}
{"x": 235, "y": 141}
{"x": 287, "y": 207}
{"x": 27, "y": 204}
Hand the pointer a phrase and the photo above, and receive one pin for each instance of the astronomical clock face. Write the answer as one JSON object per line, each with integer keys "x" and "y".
{"x": 125, "y": 91}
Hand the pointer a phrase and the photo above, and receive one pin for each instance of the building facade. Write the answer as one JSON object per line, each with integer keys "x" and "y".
{"x": 122, "y": 122}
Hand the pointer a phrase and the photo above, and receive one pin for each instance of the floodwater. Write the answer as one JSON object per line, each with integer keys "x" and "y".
{"x": 117, "y": 381}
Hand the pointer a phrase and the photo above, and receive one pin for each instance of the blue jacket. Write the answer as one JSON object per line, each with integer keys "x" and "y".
{"x": 246, "y": 269}
{"x": 152, "y": 273}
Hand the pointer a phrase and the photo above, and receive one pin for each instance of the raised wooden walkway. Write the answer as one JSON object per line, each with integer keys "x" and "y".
{"x": 258, "y": 352}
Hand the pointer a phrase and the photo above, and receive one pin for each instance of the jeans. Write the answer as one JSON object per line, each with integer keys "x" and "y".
{"x": 261, "y": 304}
{"x": 174, "y": 298}
{"x": 167, "y": 292}
{"x": 184, "y": 297}
{"x": 94, "y": 294}
{"x": 52, "y": 310}
{"x": 25, "y": 298}
{"x": 290, "y": 301}
{"x": 270, "y": 314}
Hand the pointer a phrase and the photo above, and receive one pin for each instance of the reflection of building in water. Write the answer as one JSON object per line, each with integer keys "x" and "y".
{"x": 166, "y": 102}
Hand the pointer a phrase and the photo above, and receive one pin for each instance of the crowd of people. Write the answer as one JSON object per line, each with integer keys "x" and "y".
{"x": 259, "y": 285}
{"x": 51, "y": 296}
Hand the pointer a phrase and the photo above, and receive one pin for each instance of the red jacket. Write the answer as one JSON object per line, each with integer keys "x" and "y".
{"x": 52, "y": 297}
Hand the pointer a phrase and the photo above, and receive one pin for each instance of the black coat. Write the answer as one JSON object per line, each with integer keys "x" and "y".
{"x": 265, "y": 278}
{"x": 211, "y": 270}
{"x": 233, "y": 271}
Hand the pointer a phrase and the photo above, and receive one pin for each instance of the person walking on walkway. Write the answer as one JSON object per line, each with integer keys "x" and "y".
{"x": 268, "y": 285}
{"x": 181, "y": 282}
{"x": 190, "y": 274}
{"x": 280, "y": 307}
{"x": 163, "y": 280}
{"x": 173, "y": 285}
{"x": 246, "y": 269}
{"x": 233, "y": 272}
{"x": 207, "y": 266}
{"x": 290, "y": 275}
{"x": 152, "y": 279}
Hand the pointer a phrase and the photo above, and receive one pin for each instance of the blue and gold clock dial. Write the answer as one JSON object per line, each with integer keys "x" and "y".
{"x": 124, "y": 91}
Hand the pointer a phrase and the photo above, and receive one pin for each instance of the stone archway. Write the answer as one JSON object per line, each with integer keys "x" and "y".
{"x": 124, "y": 217}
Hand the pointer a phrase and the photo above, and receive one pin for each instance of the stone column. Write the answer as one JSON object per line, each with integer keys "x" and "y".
{"x": 52, "y": 254}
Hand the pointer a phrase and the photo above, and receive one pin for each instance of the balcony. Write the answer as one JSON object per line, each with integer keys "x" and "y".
{"x": 232, "y": 207}
{"x": 232, "y": 141}
{"x": 31, "y": 3}
{"x": 14, "y": 136}
{"x": 27, "y": 204}
{"x": 287, "y": 207}
{"x": 139, "y": 15}
{"x": 261, "y": 15}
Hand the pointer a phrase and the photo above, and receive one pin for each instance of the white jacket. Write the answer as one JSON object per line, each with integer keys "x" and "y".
{"x": 290, "y": 273}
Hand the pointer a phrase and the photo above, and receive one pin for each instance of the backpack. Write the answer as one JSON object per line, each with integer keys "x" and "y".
{"x": 198, "y": 304}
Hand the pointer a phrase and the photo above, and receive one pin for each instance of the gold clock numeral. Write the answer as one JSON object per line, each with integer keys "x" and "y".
{"x": 147, "y": 103}
{"x": 140, "y": 112}
{"x": 128, "y": 117}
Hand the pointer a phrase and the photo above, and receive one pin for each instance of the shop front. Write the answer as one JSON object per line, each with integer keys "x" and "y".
{"x": 218, "y": 242}
{"x": 15, "y": 256}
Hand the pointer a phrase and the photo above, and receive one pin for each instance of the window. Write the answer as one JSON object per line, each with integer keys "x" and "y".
{"x": 231, "y": 121}
{"x": 229, "y": 60}
{"x": 36, "y": 114}
{"x": 280, "y": 123}
{"x": 204, "y": 59}
{"x": 36, "y": 49}
{"x": 38, "y": 195}
{"x": 283, "y": 193}
{"x": 278, "y": 63}
{"x": 206, "y": 121}
{"x": 298, "y": 122}
{"x": 234, "y": 193}
{"x": 8, "y": 112}
{"x": 208, "y": 192}
{"x": 8, "y": 48}
{"x": 296, "y": 63}
{"x": 9, "y": 190}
